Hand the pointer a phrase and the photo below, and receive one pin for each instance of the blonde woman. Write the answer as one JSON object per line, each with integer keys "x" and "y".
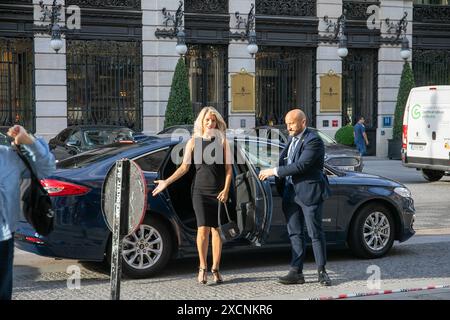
{"x": 208, "y": 149}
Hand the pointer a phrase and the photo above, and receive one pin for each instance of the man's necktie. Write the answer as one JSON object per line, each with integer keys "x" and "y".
{"x": 290, "y": 158}
{"x": 292, "y": 147}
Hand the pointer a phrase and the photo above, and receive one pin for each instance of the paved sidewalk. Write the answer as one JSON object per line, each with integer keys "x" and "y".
{"x": 420, "y": 262}
{"x": 433, "y": 294}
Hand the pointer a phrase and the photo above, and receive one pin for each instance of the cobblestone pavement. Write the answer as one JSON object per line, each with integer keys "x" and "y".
{"x": 253, "y": 276}
{"x": 421, "y": 261}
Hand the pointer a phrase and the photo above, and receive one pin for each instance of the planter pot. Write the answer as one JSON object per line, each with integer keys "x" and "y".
{"x": 395, "y": 149}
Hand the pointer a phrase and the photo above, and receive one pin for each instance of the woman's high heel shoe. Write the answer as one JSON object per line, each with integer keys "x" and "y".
{"x": 202, "y": 276}
{"x": 217, "y": 276}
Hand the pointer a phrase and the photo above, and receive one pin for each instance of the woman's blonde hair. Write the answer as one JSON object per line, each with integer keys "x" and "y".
{"x": 198, "y": 124}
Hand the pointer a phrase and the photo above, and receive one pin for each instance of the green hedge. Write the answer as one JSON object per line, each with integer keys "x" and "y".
{"x": 179, "y": 107}
{"x": 406, "y": 84}
{"x": 345, "y": 135}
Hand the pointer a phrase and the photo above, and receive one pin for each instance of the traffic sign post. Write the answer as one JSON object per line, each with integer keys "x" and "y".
{"x": 124, "y": 200}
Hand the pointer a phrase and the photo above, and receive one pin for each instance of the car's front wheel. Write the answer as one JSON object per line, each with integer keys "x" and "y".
{"x": 147, "y": 250}
{"x": 372, "y": 232}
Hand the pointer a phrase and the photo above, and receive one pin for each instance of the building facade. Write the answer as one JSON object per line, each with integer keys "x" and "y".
{"x": 118, "y": 67}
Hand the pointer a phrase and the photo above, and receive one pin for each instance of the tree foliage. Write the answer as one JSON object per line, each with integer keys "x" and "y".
{"x": 179, "y": 107}
{"x": 406, "y": 84}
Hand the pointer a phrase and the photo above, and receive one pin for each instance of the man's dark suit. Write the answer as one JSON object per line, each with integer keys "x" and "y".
{"x": 303, "y": 198}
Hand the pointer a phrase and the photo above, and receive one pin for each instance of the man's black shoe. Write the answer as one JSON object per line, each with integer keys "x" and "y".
{"x": 324, "y": 279}
{"x": 293, "y": 277}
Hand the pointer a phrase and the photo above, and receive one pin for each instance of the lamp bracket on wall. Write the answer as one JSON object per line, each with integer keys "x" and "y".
{"x": 336, "y": 28}
{"x": 175, "y": 20}
{"x": 241, "y": 22}
{"x": 52, "y": 14}
{"x": 399, "y": 28}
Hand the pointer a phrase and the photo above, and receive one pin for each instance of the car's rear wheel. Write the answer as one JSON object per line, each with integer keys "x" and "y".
{"x": 372, "y": 232}
{"x": 147, "y": 250}
{"x": 432, "y": 175}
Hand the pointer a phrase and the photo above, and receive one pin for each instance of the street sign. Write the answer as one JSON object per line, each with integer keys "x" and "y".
{"x": 124, "y": 201}
{"x": 137, "y": 197}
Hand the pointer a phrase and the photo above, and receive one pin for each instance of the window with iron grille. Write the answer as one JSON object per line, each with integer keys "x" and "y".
{"x": 16, "y": 83}
{"x": 360, "y": 91}
{"x": 431, "y": 67}
{"x": 104, "y": 83}
{"x": 285, "y": 79}
{"x": 208, "y": 75}
{"x": 434, "y": 2}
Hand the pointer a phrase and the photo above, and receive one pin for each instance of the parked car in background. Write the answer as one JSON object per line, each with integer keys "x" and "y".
{"x": 367, "y": 213}
{"x": 336, "y": 154}
{"x": 178, "y": 128}
{"x": 426, "y": 131}
{"x": 4, "y": 139}
{"x": 80, "y": 138}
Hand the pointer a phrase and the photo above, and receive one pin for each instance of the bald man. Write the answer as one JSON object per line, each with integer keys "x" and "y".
{"x": 304, "y": 188}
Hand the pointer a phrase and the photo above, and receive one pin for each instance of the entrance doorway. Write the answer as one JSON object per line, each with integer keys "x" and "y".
{"x": 360, "y": 77}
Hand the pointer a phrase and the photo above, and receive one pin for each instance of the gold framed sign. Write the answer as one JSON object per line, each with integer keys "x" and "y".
{"x": 331, "y": 92}
{"x": 243, "y": 92}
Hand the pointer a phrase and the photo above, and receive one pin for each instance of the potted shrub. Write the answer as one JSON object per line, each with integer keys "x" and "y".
{"x": 179, "y": 107}
{"x": 406, "y": 84}
{"x": 345, "y": 135}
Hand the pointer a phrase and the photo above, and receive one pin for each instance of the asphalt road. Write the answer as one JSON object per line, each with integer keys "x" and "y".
{"x": 431, "y": 200}
{"x": 419, "y": 262}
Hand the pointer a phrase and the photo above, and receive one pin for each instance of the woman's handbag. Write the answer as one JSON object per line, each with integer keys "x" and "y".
{"x": 228, "y": 231}
{"x": 37, "y": 206}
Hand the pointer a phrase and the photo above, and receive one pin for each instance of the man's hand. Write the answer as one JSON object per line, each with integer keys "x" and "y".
{"x": 20, "y": 135}
{"x": 264, "y": 174}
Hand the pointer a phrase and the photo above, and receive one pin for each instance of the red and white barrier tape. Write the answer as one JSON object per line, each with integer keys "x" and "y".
{"x": 381, "y": 292}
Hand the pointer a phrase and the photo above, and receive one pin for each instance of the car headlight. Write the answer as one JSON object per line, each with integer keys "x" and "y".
{"x": 403, "y": 192}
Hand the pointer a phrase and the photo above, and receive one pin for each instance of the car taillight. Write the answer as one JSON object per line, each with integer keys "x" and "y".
{"x": 405, "y": 136}
{"x": 34, "y": 240}
{"x": 56, "y": 188}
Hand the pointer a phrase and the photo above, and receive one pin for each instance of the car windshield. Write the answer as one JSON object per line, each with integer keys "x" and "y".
{"x": 178, "y": 129}
{"x": 327, "y": 140}
{"x": 86, "y": 158}
{"x": 100, "y": 137}
{"x": 261, "y": 154}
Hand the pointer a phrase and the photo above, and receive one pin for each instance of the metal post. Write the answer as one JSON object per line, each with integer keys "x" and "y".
{"x": 120, "y": 224}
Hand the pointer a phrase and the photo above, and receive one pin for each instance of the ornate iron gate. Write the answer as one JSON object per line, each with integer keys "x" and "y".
{"x": 360, "y": 90}
{"x": 16, "y": 83}
{"x": 208, "y": 74}
{"x": 285, "y": 79}
{"x": 104, "y": 83}
{"x": 431, "y": 67}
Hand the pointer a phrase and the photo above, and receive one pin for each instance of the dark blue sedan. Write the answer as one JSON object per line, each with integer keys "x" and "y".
{"x": 366, "y": 213}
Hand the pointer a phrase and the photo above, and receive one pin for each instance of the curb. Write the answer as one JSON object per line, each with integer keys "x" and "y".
{"x": 381, "y": 292}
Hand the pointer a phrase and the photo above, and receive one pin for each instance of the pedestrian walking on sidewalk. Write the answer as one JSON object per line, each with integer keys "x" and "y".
{"x": 359, "y": 132}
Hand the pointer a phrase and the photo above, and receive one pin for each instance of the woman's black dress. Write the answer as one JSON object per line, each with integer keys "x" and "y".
{"x": 209, "y": 181}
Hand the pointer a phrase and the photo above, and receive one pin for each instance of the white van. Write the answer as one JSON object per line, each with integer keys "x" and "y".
{"x": 426, "y": 131}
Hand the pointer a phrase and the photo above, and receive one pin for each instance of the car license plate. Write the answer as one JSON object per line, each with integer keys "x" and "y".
{"x": 347, "y": 168}
{"x": 417, "y": 147}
